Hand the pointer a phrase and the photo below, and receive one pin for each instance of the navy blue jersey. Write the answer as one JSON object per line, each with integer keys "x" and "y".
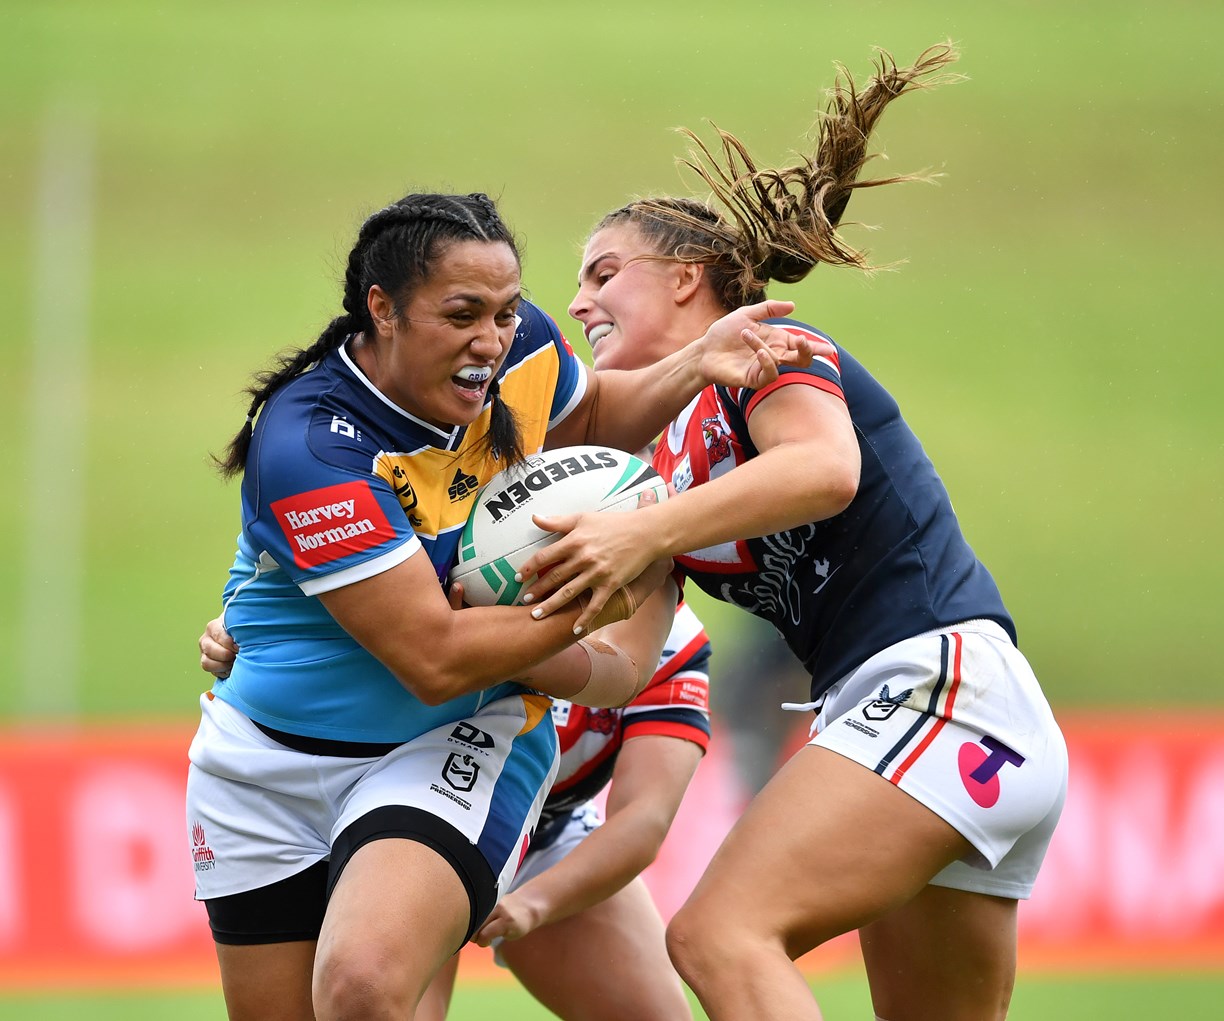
{"x": 892, "y": 565}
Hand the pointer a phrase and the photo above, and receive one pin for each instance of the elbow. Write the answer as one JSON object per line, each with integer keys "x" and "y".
{"x": 841, "y": 489}
{"x": 636, "y": 856}
{"x": 652, "y": 843}
{"x": 839, "y": 481}
{"x": 430, "y": 684}
{"x": 429, "y": 695}
{"x": 826, "y": 494}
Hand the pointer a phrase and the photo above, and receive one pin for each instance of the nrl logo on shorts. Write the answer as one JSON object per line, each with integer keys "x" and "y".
{"x": 460, "y": 771}
{"x": 884, "y": 706}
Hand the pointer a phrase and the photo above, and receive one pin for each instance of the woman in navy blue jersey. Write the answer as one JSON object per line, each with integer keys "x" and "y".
{"x": 921, "y": 810}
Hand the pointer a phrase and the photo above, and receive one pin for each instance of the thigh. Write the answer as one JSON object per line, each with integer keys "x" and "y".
{"x": 435, "y": 1003}
{"x": 946, "y": 955}
{"x": 397, "y": 913}
{"x": 267, "y": 982}
{"x": 606, "y": 963}
{"x": 826, "y": 847}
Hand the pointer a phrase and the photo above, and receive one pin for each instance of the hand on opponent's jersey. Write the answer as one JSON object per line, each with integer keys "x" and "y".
{"x": 722, "y": 346}
{"x": 217, "y": 650}
{"x": 513, "y": 918}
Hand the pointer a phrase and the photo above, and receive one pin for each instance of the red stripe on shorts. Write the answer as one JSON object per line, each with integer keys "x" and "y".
{"x": 931, "y": 734}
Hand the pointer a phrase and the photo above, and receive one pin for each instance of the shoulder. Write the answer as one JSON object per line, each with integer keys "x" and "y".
{"x": 824, "y": 372}
{"x": 534, "y": 322}
{"x": 319, "y": 416}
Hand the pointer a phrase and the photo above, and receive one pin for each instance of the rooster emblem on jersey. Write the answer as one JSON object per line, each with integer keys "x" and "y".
{"x": 717, "y": 440}
{"x": 603, "y": 721}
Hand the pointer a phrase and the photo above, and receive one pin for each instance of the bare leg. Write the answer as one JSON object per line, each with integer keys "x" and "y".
{"x": 268, "y": 981}
{"x": 396, "y": 916}
{"x": 944, "y": 956}
{"x": 827, "y": 847}
{"x": 606, "y": 963}
{"x": 437, "y": 999}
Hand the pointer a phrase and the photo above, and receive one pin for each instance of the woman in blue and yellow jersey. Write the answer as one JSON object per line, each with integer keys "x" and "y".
{"x": 364, "y": 782}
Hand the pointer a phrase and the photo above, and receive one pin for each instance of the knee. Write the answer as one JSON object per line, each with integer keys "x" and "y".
{"x": 357, "y": 986}
{"x": 692, "y": 946}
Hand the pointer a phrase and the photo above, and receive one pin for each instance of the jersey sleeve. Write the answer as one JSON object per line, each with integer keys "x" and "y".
{"x": 824, "y": 373}
{"x": 571, "y": 372}
{"x": 327, "y": 521}
{"x": 676, "y": 702}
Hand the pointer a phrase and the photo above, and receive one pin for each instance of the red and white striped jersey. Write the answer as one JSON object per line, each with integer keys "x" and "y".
{"x": 676, "y": 703}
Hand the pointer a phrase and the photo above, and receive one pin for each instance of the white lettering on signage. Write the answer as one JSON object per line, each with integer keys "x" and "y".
{"x": 12, "y": 902}
{"x": 144, "y": 866}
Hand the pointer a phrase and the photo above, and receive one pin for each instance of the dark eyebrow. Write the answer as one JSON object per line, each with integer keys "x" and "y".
{"x": 478, "y": 300}
{"x": 589, "y": 268}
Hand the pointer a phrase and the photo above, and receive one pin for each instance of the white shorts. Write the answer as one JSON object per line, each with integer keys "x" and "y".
{"x": 577, "y": 826}
{"x": 956, "y": 719}
{"x": 259, "y": 812}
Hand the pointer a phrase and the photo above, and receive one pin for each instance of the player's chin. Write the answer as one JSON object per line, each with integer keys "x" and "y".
{"x": 608, "y": 354}
{"x": 465, "y": 404}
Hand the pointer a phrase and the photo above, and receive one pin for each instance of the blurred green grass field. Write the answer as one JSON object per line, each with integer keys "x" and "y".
{"x": 1052, "y": 334}
{"x": 842, "y": 998}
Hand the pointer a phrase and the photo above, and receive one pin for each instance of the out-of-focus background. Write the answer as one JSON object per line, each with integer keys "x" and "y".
{"x": 179, "y": 187}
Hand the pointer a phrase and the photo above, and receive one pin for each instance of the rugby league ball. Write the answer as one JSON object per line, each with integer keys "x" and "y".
{"x": 499, "y": 535}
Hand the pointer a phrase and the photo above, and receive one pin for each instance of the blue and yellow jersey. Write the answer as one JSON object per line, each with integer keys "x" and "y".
{"x": 341, "y": 485}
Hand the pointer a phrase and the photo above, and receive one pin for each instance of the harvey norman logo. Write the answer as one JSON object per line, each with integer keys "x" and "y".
{"x": 328, "y": 524}
{"x": 343, "y": 509}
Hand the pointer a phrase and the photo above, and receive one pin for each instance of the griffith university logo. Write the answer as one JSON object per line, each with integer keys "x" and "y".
{"x": 201, "y": 853}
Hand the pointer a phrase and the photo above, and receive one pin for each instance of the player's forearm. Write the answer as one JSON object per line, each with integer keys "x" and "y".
{"x": 484, "y": 646}
{"x": 603, "y": 864}
{"x": 634, "y": 406}
{"x": 745, "y": 503}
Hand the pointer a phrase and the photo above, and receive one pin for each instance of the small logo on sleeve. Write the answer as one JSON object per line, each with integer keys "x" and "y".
{"x": 329, "y": 524}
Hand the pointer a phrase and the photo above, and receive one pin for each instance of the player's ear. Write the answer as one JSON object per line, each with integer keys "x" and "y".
{"x": 689, "y": 278}
{"x": 382, "y": 310}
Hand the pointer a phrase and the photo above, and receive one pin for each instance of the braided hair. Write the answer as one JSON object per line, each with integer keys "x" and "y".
{"x": 395, "y": 249}
{"x": 779, "y": 224}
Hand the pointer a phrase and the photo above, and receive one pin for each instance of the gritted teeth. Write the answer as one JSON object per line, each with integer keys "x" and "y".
{"x": 599, "y": 332}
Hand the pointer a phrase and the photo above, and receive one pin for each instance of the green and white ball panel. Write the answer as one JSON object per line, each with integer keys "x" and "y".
{"x": 500, "y": 536}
